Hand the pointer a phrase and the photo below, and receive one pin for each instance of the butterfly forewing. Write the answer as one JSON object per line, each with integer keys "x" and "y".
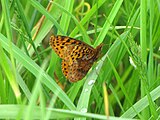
{"x": 60, "y": 45}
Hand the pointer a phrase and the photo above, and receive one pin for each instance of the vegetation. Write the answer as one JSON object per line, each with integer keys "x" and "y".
{"x": 123, "y": 84}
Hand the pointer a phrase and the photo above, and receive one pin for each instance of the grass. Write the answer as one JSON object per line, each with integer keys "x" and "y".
{"x": 31, "y": 81}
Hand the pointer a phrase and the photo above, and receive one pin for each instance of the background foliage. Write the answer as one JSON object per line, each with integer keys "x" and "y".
{"x": 31, "y": 81}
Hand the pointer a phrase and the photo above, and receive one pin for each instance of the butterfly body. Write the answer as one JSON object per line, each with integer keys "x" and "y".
{"x": 77, "y": 56}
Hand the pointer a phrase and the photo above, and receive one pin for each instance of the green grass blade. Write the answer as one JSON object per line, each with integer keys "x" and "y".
{"x": 55, "y": 113}
{"x": 142, "y": 104}
{"x": 65, "y": 19}
{"x": 108, "y": 22}
{"x": 11, "y": 76}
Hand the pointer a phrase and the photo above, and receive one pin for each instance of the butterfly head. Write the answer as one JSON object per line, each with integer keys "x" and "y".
{"x": 98, "y": 50}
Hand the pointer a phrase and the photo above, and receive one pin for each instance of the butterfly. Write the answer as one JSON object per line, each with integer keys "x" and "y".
{"x": 77, "y": 56}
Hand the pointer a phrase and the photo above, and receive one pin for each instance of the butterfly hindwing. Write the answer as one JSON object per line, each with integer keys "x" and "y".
{"x": 72, "y": 72}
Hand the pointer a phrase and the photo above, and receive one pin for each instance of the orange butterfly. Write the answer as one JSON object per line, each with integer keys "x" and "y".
{"x": 77, "y": 56}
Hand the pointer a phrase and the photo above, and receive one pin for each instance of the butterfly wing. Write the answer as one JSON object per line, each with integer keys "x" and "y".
{"x": 72, "y": 72}
{"x": 61, "y": 45}
{"x": 64, "y": 46}
{"x": 65, "y": 66}
{"x": 81, "y": 61}
{"x": 77, "y": 70}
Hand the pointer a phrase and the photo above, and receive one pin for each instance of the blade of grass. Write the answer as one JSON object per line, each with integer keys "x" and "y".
{"x": 150, "y": 64}
{"x": 143, "y": 30}
{"x": 10, "y": 111}
{"x": 132, "y": 87}
{"x": 3, "y": 87}
{"x": 115, "y": 95}
{"x": 51, "y": 105}
{"x": 35, "y": 93}
{"x": 142, "y": 104}
{"x": 1, "y": 22}
{"x": 21, "y": 82}
{"x": 65, "y": 19}
{"x": 108, "y": 22}
{"x": 143, "y": 46}
{"x": 106, "y": 101}
{"x": 11, "y": 75}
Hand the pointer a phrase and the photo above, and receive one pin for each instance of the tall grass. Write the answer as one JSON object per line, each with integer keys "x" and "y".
{"x": 32, "y": 85}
